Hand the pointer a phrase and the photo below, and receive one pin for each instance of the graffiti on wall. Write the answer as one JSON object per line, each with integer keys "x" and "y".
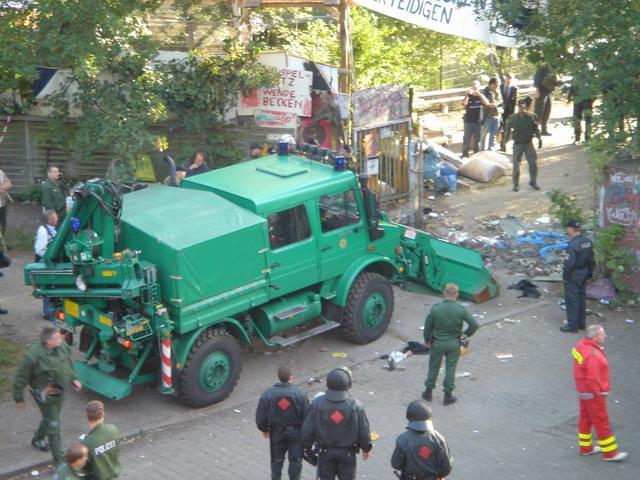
{"x": 622, "y": 207}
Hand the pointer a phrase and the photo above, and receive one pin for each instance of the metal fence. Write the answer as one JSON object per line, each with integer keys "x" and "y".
{"x": 383, "y": 152}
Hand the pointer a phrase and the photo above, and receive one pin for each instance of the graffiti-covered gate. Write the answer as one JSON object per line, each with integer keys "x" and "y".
{"x": 381, "y": 136}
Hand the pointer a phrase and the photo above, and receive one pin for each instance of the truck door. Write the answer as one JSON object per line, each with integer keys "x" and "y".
{"x": 293, "y": 258}
{"x": 343, "y": 237}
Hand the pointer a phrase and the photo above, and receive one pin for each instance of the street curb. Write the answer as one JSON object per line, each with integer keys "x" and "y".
{"x": 132, "y": 436}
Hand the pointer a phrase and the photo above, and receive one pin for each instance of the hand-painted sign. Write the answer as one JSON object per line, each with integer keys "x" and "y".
{"x": 292, "y": 95}
{"x": 379, "y": 105}
{"x": 271, "y": 119}
{"x": 455, "y": 17}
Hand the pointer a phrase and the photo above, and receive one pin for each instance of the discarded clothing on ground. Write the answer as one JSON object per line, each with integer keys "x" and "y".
{"x": 416, "y": 348}
{"x": 397, "y": 356}
{"x": 601, "y": 289}
{"x": 529, "y": 290}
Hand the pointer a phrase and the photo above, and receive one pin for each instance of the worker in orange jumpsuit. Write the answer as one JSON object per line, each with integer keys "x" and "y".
{"x": 591, "y": 373}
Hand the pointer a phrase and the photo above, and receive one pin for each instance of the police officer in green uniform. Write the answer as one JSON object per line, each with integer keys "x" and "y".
{"x": 524, "y": 126}
{"x": 77, "y": 456}
{"x": 103, "y": 442}
{"x": 443, "y": 328}
{"x": 52, "y": 194}
{"x": 47, "y": 369}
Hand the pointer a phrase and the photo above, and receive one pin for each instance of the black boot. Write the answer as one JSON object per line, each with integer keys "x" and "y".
{"x": 427, "y": 394}
{"x": 449, "y": 398}
{"x": 40, "y": 444}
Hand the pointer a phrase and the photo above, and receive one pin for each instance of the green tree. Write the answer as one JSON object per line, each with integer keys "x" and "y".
{"x": 119, "y": 95}
{"x": 199, "y": 91}
{"x": 386, "y": 50}
{"x": 596, "y": 44}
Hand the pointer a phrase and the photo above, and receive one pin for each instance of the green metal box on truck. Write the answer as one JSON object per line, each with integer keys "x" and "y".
{"x": 209, "y": 253}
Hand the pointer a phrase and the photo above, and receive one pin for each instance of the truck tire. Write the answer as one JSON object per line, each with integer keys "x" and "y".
{"x": 369, "y": 308}
{"x": 211, "y": 370}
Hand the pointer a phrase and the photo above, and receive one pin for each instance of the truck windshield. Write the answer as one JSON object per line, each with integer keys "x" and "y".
{"x": 337, "y": 211}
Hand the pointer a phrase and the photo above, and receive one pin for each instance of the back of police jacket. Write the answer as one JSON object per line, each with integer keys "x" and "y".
{"x": 580, "y": 263}
{"x": 422, "y": 454}
{"x": 283, "y": 405}
{"x": 340, "y": 424}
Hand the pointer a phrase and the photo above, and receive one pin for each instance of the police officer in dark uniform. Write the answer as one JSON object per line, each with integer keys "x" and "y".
{"x": 421, "y": 453}
{"x": 337, "y": 425}
{"x": 578, "y": 268}
{"x": 281, "y": 411}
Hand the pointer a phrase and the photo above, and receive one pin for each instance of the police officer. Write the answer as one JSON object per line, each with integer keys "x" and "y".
{"x": 103, "y": 442}
{"x": 524, "y": 127}
{"x": 443, "y": 328}
{"x": 73, "y": 469}
{"x": 421, "y": 453}
{"x": 52, "y": 193}
{"x": 47, "y": 369}
{"x": 338, "y": 426}
{"x": 578, "y": 268}
{"x": 279, "y": 416}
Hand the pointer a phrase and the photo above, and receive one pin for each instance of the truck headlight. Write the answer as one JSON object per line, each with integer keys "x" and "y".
{"x": 80, "y": 283}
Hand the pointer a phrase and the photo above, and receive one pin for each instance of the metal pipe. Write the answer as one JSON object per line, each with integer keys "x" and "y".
{"x": 141, "y": 360}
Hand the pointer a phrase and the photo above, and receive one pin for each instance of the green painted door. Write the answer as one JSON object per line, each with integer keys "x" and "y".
{"x": 292, "y": 256}
{"x": 343, "y": 236}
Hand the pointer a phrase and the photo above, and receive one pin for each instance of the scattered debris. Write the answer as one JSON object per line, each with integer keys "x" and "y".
{"x": 35, "y": 473}
{"x": 504, "y": 355}
{"x": 463, "y": 375}
{"x": 339, "y": 354}
{"x": 511, "y": 320}
{"x": 374, "y": 436}
{"x": 628, "y": 320}
{"x": 323, "y": 349}
{"x": 528, "y": 289}
{"x": 605, "y": 302}
{"x": 237, "y": 410}
{"x": 544, "y": 219}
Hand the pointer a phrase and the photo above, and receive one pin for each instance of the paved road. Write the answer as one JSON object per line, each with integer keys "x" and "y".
{"x": 516, "y": 419}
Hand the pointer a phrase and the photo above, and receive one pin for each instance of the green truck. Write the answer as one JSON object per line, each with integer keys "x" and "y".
{"x": 164, "y": 284}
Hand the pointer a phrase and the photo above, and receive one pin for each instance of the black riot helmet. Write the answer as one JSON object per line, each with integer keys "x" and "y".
{"x": 418, "y": 412}
{"x": 338, "y": 384}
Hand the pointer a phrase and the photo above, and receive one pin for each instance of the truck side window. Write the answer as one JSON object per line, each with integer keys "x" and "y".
{"x": 337, "y": 211}
{"x": 288, "y": 226}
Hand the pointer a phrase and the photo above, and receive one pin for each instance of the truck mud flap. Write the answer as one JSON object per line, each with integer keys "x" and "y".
{"x": 436, "y": 263}
{"x": 101, "y": 382}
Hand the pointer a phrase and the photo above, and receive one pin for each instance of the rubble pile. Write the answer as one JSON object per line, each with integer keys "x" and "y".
{"x": 536, "y": 251}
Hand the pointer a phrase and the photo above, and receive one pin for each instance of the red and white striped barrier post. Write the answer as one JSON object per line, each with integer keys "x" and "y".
{"x": 165, "y": 357}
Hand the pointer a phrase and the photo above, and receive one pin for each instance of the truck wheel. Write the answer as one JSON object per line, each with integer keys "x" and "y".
{"x": 211, "y": 370}
{"x": 369, "y": 308}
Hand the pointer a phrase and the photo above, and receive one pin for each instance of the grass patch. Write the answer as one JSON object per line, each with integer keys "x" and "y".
{"x": 10, "y": 357}
{"x": 19, "y": 240}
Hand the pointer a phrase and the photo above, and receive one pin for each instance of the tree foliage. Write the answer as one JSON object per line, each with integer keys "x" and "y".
{"x": 120, "y": 94}
{"x": 594, "y": 42}
{"x": 385, "y": 50}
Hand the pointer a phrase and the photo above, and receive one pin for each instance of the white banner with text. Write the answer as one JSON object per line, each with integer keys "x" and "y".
{"x": 454, "y": 17}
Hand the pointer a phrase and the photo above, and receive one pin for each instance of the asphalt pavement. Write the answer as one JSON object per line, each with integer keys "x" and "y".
{"x": 516, "y": 418}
